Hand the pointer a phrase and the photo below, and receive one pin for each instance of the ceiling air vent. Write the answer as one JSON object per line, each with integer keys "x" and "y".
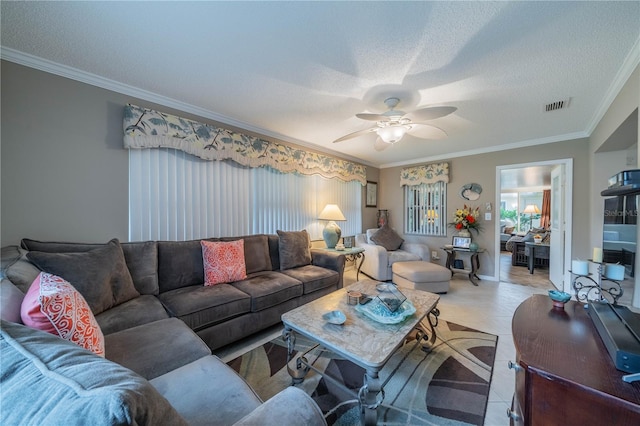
{"x": 553, "y": 106}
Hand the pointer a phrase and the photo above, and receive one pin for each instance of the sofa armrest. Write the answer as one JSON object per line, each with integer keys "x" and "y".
{"x": 329, "y": 260}
{"x": 376, "y": 261}
{"x": 419, "y": 249}
{"x": 290, "y": 403}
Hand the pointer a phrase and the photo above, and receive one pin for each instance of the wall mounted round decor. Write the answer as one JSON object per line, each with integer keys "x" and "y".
{"x": 471, "y": 191}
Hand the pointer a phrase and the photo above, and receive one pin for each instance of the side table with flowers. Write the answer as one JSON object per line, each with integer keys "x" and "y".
{"x": 465, "y": 220}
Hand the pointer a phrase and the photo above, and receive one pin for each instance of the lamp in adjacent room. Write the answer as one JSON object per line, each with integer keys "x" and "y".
{"x": 331, "y": 233}
{"x": 531, "y": 209}
{"x": 432, "y": 215}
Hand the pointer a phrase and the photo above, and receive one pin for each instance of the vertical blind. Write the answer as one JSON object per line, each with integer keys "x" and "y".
{"x": 176, "y": 196}
{"x": 425, "y": 209}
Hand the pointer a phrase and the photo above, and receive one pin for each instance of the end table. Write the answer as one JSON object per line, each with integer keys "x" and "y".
{"x": 352, "y": 255}
{"x": 473, "y": 259}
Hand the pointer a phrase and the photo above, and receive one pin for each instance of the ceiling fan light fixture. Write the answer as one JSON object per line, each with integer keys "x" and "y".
{"x": 392, "y": 134}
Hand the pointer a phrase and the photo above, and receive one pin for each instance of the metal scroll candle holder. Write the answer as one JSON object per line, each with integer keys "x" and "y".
{"x": 588, "y": 288}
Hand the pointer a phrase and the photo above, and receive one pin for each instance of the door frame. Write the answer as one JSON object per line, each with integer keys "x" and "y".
{"x": 567, "y": 212}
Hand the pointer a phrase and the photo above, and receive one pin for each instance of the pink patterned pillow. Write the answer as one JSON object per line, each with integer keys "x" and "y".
{"x": 223, "y": 261}
{"x": 55, "y": 306}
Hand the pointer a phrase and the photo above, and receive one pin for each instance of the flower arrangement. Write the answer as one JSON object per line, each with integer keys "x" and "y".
{"x": 466, "y": 218}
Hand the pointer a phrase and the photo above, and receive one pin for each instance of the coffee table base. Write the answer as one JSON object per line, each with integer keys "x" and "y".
{"x": 371, "y": 395}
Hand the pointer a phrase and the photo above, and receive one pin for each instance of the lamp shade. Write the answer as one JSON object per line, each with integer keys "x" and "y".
{"x": 531, "y": 209}
{"x": 393, "y": 133}
{"x": 331, "y": 233}
{"x": 331, "y": 212}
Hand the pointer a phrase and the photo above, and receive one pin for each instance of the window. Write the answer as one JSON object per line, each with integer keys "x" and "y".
{"x": 424, "y": 205}
{"x": 513, "y": 204}
{"x": 176, "y": 196}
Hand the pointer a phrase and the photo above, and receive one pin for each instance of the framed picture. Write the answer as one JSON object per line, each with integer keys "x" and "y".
{"x": 461, "y": 242}
{"x": 348, "y": 242}
{"x": 372, "y": 194}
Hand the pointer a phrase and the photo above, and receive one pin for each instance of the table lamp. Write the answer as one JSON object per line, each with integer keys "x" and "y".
{"x": 331, "y": 233}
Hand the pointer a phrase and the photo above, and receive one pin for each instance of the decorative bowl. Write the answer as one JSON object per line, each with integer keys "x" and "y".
{"x": 335, "y": 317}
{"x": 377, "y": 311}
{"x": 559, "y": 298}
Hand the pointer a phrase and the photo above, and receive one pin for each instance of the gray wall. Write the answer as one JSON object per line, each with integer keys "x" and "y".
{"x": 64, "y": 171}
{"x": 482, "y": 169}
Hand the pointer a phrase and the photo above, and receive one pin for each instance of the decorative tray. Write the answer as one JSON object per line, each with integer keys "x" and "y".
{"x": 377, "y": 311}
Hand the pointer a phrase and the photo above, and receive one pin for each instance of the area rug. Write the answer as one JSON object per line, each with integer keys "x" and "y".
{"x": 449, "y": 385}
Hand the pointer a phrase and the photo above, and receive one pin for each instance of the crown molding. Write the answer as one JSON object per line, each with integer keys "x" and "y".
{"x": 628, "y": 66}
{"x": 504, "y": 147}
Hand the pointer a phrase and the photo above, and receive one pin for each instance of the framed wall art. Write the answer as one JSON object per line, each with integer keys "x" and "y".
{"x": 372, "y": 194}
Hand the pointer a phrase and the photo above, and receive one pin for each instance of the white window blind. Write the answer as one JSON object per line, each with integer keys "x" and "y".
{"x": 425, "y": 209}
{"x": 176, "y": 196}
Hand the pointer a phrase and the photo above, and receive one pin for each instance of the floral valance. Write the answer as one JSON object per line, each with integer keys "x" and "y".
{"x": 430, "y": 173}
{"x": 146, "y": 128}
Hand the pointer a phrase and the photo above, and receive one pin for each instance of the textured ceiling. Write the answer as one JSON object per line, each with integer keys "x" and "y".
{"x": 300, "y": 71}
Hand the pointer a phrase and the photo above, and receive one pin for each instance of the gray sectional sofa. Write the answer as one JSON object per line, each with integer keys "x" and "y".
{"x": 163, "y": 330}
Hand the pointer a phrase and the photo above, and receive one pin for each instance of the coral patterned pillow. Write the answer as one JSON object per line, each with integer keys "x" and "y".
{"x": 55, "y": 306}
{"x": 223, "y": 261}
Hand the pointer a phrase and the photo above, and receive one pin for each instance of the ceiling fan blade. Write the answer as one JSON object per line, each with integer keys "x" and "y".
{"x": 372, "y": 117}
{"x": 380, "y": 145}
{"x": 427, "y": 131}
{"x": 355, "y": 134}
{"x": 431, "y": 113}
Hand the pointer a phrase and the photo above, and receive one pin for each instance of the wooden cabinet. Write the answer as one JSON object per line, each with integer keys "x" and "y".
{"x": 563, "y": 372}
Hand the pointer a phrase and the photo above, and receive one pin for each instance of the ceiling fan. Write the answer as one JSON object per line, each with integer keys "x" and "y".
{"x": 393, "y": 125}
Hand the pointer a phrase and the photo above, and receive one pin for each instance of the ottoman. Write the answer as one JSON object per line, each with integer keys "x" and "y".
{"x": 421, "y": 275}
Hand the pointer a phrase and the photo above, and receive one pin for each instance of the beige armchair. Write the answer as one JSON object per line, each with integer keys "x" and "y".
{"x": 378, "y": 260}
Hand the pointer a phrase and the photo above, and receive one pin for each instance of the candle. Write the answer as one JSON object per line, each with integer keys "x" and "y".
{"x": 597, "y": 255}
{"x": 579, "y": 267}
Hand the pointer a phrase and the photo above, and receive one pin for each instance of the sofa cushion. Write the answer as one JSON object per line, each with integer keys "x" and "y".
{"x": 10, "y": 301}
{"x": 100, "y": 275}
{"x": 294, "y": 249}
{"x": 256, "y": 252}
{"x": 58, "y": 246}
{"x": 401, "y": 256}
{"x": 180, "y": 264}
{"x": 269, "y": 289}
{"x": 142, "y": 261}
{"x": 156, "y": 348}
{"x": 141, "y": 258}
{"x": 50, "y": 381}
{"x": 199, "y": 306}
{"x": 387, "y": 238}
{"x": 17, "y": 268}
{"x": 208, "y": 392}
{"x": 223, "y": 261}
{"x": 55, "y": 306}
{"x": 138, "y": 311}
{"x": 370, "y": 233}
{"x": 314, "y": 277}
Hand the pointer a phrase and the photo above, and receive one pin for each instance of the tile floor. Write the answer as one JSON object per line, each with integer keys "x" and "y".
{"x": 488, "y": 307}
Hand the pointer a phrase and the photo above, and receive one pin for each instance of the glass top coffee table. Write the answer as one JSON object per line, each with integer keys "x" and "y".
{"x": 364, "y": 341}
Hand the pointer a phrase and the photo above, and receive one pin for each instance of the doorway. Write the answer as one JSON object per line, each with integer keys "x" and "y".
{"x": 527, "y": 181}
